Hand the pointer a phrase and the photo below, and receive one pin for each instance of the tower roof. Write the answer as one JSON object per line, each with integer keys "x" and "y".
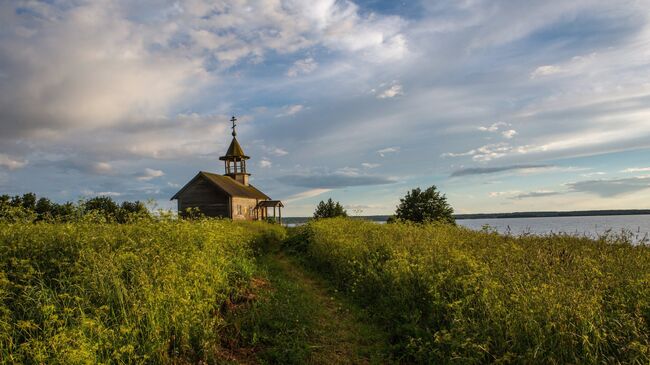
{"x": 234, "y": 151}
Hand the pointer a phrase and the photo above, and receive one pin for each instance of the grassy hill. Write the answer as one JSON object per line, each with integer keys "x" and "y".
{"x": 334, "y": 291}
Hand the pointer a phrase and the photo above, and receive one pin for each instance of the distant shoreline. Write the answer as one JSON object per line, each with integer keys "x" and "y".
{"x": 543, "y": 214}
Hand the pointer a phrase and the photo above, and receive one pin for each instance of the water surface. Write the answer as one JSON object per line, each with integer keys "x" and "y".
{"x": 592, "y": 226}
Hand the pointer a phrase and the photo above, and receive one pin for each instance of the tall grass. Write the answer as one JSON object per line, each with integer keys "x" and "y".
{"x": 151, "y": 291}
{"x": 451, "y": 295}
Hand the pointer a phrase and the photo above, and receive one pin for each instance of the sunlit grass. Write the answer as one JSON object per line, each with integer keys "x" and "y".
{"x": 151, "y": 291}
{"x": 448, "y": 294}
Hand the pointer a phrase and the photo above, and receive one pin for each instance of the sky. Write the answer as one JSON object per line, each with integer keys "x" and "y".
{"x": 503, "y": 105}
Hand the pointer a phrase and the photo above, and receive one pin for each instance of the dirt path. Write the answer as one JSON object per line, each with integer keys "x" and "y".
{"x": 301, "y": 319}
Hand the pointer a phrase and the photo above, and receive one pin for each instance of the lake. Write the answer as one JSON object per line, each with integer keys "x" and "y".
{"x": 591, "y": 226}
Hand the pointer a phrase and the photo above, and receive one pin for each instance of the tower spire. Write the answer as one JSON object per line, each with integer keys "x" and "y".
{"x": 235, "y": 159}
{"x": 233, "y": 120}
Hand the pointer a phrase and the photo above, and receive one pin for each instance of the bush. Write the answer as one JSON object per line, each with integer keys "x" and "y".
{"x": 447, "y": 294}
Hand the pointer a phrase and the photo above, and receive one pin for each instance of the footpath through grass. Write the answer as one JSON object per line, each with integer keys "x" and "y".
{"x": 447, "y": 294}
{"x": 297, "y": 318}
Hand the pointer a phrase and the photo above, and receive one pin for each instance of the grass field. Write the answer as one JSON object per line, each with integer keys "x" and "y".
{"x": 148, "y": 292}
{"x": 335, "y": 291}
{"x": 450, "y": 295}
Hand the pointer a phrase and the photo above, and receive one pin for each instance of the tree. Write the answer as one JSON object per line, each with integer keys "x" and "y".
{"x": 44, "y": 208}
{"x": 29, "y": 201}
{"x": 103, "y": 205}
{"x": 425, "y": 206}
{"x": 329, "y": 209}
{"x": 131, "y": 209}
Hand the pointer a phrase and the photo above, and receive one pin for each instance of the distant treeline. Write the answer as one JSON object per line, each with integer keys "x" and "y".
{"x": 577, "y": 213}
{"x": 28, "y": 207}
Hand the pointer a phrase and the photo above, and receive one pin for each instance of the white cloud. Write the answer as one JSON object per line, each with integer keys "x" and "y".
{"x": 368, "y": 165}
{"x": 497, "y": 194}
{"x": 291, "y": 110}
{"x": 265, "y": 163}
{"x": 306, "y": 194}
{"x": 509, "y": 133}
{"x": 102, "y": 168}
{"x": 150, "y": 174}
{"x": 545, "y": 70}
{"x": 11, "y": 163}
{"x": 302, "y": 67}
{"x": 391, "y": 92}
{"x": 91, "y": 193}
{"x": 275, "y": 151}
{"x": 384, "y": 151}
{"x": 637, "y": 169}
{"x": 494, "y": 127}
{"x": 348, "y": 171}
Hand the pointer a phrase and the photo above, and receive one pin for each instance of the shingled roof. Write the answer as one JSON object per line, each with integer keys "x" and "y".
{"x": 229, "y": 185}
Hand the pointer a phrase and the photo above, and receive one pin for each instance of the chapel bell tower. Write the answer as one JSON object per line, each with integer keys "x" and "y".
{"x": 235, "y": 159}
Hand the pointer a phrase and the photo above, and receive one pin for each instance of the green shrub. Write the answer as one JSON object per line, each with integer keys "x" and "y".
{"x": 448, "y": 294}
{"x": 151, "y": 292}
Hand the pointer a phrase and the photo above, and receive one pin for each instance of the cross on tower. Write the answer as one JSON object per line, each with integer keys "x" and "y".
{"x": 233, "y": 120}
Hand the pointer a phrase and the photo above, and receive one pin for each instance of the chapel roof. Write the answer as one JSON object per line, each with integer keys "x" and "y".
{"x": 227, "y": 184}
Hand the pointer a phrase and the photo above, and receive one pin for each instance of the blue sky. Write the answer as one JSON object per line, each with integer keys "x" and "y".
{"x": 505, "y": 106}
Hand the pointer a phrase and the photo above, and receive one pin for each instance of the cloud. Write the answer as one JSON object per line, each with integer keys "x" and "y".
{"x": 545, "y": 70}
{"x": 334, "y": 180}
{"x": 291, "y": 110}
{"x": 492, "y": 170}
{"x": 367, "y": 165}
{"x": 496, "y": 194}
{"x": 305, "y": 194}
{"x": 101, "y": 168}
{"x": 509, "y": 133}
{"x": 391, "y": 92}
{"x": 278, "y": 152}
{"x": 149, "y": 174}
{"x": 611, "y": 187}
{"x": 361, "y": 207}
{"x": 495, "y": 151}
{"x": 11, "y": 163}
{"x": 155, "y": 61}
{"x": 80, "y": 164}
{"x": 91, "y": 193}
{"x": 637, "y": 169}
{"x": 493, "y": 127}
{"x": 265, "y": 163}
{"x": 384, "y": 151}
{"x": 302, "y": 67}
{"x": 536, "y": 194}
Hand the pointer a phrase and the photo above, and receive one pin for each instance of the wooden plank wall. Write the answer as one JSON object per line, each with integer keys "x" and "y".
{"x": 203, "y": 195}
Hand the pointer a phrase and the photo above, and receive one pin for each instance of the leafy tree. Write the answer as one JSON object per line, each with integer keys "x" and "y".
{"x": 329, "y": 209}
{"x": 130, "y": 209}
{"x": 16, "y": 201}
{"x": 425, "y": 206}
{"x": 44, "y": 208}
{"x": 64, "y": 211}
{"x": 29, "y": 201}
{"x": 103, "y": 205}
{"x": 133, "y": 207}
